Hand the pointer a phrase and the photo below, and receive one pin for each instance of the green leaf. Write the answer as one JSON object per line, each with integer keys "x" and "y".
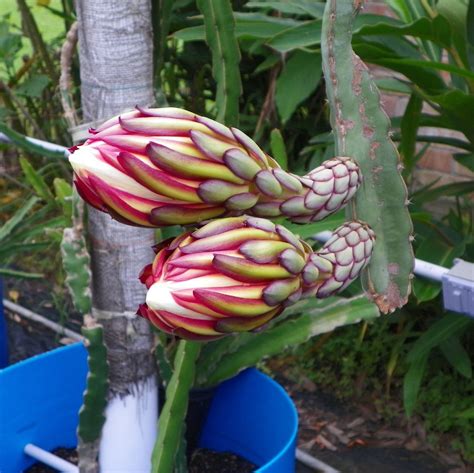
{"x": 457, "y": 356}
{"x": 466, "y": 160}
{"x": 306, "y": 34}
{"x": 455, "y": 12}
{"x": 36, "y": 180}
{"x": 17, "y": 217}
{"x": 454, "y": 189}
{"x": 33, "y": 86}
{"x": 409, "y": 129}
{"x": 436, "y": 249}
{"x": 63, "y": 191}
{"x": 278, "y": 148}
{"x": 436, "y": 30}
{"x": 449, "y": 325}
{"x": 296, "y": 7}
{"x": 19, "y": 274}
{"x": 308, "y": 230}
{"x": 291, "y": 333}
{"x": 220, "y": 36}
{"x": 298, "y": 80}
{"x": 247, "y": 26}
{"x": 393, "y": 85}
{"x": 467, "y": 414}
{"x": 412, "y": 383}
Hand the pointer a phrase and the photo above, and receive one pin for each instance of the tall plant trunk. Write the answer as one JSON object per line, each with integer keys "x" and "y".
{"x": 115, "y": 50}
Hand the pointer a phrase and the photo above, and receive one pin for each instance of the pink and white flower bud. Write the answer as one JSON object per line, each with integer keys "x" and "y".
{"x": 236, "y": 274}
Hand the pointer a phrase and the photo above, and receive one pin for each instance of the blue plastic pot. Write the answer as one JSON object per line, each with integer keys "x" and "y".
{"x": 250, "y": 415}
{"x": 3, "y": 332}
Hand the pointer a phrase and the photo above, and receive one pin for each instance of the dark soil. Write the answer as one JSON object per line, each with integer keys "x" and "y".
{"x": 202, "y": 461}
{"x": 68, "y": 454}
{"x": 26, "y": 338}
{"x": 208, "y": 461}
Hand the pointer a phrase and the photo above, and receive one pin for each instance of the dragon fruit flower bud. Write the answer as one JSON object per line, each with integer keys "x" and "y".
{"x": 238, "y": 273}
{"x": 166, "y": 166}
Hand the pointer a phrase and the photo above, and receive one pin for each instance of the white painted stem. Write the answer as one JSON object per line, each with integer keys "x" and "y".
{"x": 129, "y": 433}
{"x": 50, "y": 459}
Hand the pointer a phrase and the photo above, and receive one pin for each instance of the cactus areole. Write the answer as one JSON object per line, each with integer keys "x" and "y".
{"x": 167, "y": 166}
{"x": 236, "y": 274}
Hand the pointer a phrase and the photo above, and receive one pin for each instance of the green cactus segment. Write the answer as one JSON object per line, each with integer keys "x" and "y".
{"x": 91, "y": 415}
{"x": 362, "y": 131}
{"x": 163, "y": 362}
{"x": 172, "y": 417}
{"x": 76, "y": 263}
{"x": 220, "y": 36}
{"x": 289, "y": 333}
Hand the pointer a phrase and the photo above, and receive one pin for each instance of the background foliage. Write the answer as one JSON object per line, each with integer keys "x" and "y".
{"x": 270, "y": 84}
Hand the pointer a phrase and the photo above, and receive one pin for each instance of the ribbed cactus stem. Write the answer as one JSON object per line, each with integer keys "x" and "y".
{"x": 91, "y": 415}
{"x": 362, "y": 131}
{"x": 170, "y": 425}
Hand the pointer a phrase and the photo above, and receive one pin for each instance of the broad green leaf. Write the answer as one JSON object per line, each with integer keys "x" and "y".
{"x": 467, "y": 414}
{"x": 470, "y": 33}
{"x": 220, "y": 36}
{"x": 297, "y": 7}
{"x": 247, "y": 26}
{"x": 449, "y": 325}
{"x": 454, "y": 189}
{"x": 418, "y": 72}
{"x": 456, "y": 108}
{"x": 17, "y": 217}
{"x": 277, "y": 145}
{"x": 308, "y": 230}
{"x": 436, "y": 30}
{"x": 393, "y": 85}
{"x": 291, "y": 333}
{"x": 306, "y": 34}
{"x": 63, "y": 191}
{"x": 36, "y": 180}
{"x": 33, "y": 86}
{"x": 466, "y": 160}
{"x": 400, "y": 7}
{"x": 298, "y": 80}
{"x": 457, "y": 356}
{"x": 436, "y": 249}
{"x": 412, "y": 383}
{"x": 409, "y": 129}
{"x": 20, "y": 274}
{"x": 455, "y": 12}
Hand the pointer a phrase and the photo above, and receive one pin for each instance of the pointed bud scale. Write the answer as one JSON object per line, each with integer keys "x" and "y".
{"x": 167, "y": 166}
{"x": 236, "y": 274}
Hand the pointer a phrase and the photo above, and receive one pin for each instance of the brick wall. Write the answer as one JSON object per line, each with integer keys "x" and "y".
{"x": 437, "y": 162}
